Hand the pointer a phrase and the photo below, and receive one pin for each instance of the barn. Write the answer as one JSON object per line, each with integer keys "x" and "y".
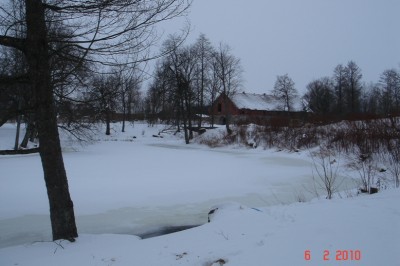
{"x": 245, "y": 107}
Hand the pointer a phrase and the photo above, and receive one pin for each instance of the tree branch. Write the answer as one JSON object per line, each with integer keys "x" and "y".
{"x": 13, "y": 42}
{"x": 18, "y": 152}
{"x": 14, "y": 80}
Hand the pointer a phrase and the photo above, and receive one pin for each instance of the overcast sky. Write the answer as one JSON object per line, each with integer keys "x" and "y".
{"x": 303, "y": 38}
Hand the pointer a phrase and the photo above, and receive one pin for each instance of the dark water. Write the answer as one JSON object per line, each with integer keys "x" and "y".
{"x": 166, "y": 230}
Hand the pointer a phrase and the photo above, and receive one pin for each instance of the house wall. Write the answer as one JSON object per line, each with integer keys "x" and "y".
{"x": 275, "y": 118}
{"x": 221, "y": 105}
{"x": 218, "y": 110}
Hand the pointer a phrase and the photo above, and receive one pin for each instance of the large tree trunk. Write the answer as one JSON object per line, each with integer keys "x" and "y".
{"x": 36, "y": 49}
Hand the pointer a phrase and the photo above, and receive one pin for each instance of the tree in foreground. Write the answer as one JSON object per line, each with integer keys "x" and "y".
{"x": 108, "y": 31}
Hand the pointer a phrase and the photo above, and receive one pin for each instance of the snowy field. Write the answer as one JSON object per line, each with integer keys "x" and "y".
{"x": 132, "y": 183}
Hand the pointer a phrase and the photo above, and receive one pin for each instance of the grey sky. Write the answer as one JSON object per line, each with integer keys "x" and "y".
{"x": 304, "y": 38}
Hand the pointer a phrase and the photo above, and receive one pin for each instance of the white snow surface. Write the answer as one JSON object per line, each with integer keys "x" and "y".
{"x": 122, "y": 186}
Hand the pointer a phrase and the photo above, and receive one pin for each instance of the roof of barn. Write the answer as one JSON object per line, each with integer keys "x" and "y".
{"x": 263, "y": 102}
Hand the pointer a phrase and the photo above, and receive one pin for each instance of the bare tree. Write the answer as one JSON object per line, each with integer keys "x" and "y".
{"x": 130, "y": 95}
{"x": 204, "y": 51}
{"x": 106, "y": 30}
{"x": 320, "y": 96}
{"x": 104, "y": 96}
{"x": 391, "y": 157}
{"x": 214, "y": 87}
{"x": 160, "y": 102}
{"x": 371, "y": 99}
{"x": 366, "y": 167}
{"x": 326, "y": 166}
{"x": 339, "y": 81}
{"x": 285, "y": 91}
{"x": 14, "y": 97}
{"x": 353, "y": 87}
{"x": 390, "y": 86}
{"x": 228, "y": 69}
{"x": 182, "y": 63}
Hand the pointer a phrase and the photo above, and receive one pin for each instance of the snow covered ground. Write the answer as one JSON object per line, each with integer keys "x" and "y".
{"x": 124, "y": 186}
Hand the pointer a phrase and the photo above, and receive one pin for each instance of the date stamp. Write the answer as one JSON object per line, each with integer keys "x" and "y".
{"x": 337, "y": 255}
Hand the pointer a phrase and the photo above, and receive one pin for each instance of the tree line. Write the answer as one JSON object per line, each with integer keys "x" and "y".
{"x": 184, "y": 85}
{"x": 345, "y": 93}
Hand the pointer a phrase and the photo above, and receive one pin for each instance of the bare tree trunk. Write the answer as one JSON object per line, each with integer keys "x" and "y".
{"x": 227, "y": 115}
{"x": 108, "y": 122}
{"x": 61, "y": 206}
{"x": 184, "y": 120}
{"x": 123, "y": 117}
{"x": 212, "y": 110}
{"x": 30, "y": 128}
{"x": 123, "y": 92}
{"x": 16, "y": 145}
{"x": 189, "y": 115}
{"x": 24, "y": 142}
{"x": 201, "y": 95}
{"x": 123, "y": 122}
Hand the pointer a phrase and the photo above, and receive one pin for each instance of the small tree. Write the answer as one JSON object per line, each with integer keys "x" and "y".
{"x": 285, "y": 91}
{"x": 394, "y": 165}
{"x": 392, "y": 159}
{"x": 326, "y": 170}
{"x": 104, "y": 96}
{"x": 366, "y": 167}
{"x": 130, "y": 97}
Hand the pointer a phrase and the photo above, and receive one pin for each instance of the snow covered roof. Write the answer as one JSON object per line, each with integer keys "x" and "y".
{"x": 264, "y": 101}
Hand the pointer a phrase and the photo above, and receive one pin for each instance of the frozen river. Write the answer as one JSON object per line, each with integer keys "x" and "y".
{"x": 138, "y": 187}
